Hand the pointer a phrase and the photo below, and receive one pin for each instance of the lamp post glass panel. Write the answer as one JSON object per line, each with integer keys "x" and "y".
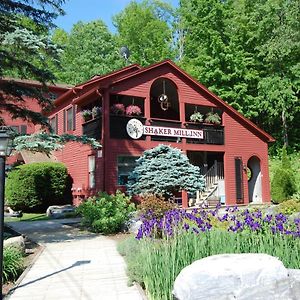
{"x": 6, "y": 140}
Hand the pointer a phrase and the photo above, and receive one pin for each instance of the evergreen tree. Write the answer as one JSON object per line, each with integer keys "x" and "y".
{"x": 164, "y": 171}
{"x": 23, "y": 52}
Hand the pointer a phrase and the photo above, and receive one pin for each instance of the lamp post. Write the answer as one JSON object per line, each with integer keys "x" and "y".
{"x": 5, "y": 150}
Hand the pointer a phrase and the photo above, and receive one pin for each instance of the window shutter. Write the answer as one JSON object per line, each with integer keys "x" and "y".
{"x": 64, "y": 120}
{"x": 74, "y": 117}
{"x": 56, "y": 124}
{"x": 23, "y": 129}
{"x": 239, "y": 179}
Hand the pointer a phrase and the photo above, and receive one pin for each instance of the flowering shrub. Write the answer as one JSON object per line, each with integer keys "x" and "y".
{"x": 118, "y": 109}
{"x": 133, "y": 110}
{"x": 188, "y": 236}
{"x": 154, "y": 206}
{"x": 199, "y": 220}
{"x": 96, "y": 111}
{"x": 86, "y": 114}
{"x": 289, "y": 207}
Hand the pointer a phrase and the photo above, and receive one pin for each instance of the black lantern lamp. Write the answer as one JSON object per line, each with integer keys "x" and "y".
{"x": 6, "y": 142}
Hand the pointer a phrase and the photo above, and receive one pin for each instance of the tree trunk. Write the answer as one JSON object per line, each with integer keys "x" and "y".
{"x": 285, "y": 128}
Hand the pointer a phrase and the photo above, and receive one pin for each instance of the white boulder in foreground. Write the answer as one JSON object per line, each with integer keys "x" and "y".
{"x": 236, "y": 276}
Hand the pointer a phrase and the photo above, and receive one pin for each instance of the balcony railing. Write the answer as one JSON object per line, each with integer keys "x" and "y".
{"x": 212, "y": 134}
{"x": 93, "y": 128}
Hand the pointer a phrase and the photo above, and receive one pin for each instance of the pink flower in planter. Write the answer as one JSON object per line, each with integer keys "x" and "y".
{"x": 133, "y": 110}
{"x": 118, "y": 109}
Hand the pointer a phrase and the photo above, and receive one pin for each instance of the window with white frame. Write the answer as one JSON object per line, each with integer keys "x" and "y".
{"x": 92, "y": 169}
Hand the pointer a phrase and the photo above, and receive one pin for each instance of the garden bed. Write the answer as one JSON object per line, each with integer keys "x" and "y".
{"x": 32, "y": 251}
{"x": 165, "y": 246}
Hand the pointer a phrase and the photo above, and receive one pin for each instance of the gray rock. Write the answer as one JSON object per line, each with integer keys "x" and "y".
{"x": 17, "y": 241}
{"x": 56, "y": 211}
{"x": 294, "y": 216}
{"x": 236, "y": 276}
{"x": 134, "y": 226}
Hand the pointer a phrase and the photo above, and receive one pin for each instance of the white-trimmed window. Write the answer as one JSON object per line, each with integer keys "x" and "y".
{"x": 92, "y": 169}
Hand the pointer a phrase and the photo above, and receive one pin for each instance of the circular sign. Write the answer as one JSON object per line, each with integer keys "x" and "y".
{"x": 135, "y": 128}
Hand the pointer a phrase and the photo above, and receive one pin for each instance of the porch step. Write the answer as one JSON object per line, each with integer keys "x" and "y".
{"x": 213, "y": 202}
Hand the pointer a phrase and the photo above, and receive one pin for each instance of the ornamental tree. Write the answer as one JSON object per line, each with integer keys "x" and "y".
{"x": 164, "y": 171}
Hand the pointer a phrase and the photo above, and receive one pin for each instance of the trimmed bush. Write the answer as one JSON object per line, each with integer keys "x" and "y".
{"x": 283, "y": 185}
{"x": 36, "y": 186}
{"x": 12, "y": 263}
{"x": 106, "y": 213}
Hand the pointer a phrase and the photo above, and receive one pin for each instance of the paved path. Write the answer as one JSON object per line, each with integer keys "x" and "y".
{"x": 73, "y": 265}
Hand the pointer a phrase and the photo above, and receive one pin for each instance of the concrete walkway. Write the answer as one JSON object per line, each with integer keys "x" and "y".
{"x": 73, "y": 265}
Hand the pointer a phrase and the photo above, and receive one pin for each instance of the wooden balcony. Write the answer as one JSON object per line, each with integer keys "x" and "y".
{"x": 213, "y": 134}
{"x": 93, "y": 128}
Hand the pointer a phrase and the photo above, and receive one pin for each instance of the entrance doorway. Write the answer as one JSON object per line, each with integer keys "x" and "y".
{"x": 254, "y": 180}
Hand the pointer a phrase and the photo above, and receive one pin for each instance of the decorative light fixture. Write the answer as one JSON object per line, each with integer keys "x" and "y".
{"x": 163, "y": 98}
{"x": 6, "y": 141}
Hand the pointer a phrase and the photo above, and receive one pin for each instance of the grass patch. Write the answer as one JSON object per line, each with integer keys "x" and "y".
{"x": 28, "y": 217}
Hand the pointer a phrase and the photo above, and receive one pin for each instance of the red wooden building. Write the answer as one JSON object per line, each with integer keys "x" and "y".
{"x": 233, "y": 155}
{"x": 20, "y": 125}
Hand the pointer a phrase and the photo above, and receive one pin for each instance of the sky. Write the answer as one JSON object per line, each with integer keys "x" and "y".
{"x": 89, "y": 10}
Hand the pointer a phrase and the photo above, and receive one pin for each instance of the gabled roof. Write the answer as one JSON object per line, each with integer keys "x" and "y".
{"x": 37, "y": 83}
{"x": 95, "y": 81}
{"x": 218, "y": 100}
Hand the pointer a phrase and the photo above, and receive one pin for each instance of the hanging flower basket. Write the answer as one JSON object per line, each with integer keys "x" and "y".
{"x": 118, "y": 109}
{"x": 213, "y": 118}
{"x": 196, "y": 117}
{"x": 133, "y": 110}
{"x": 86, "y": 114}
{"x": 96, "y": 111}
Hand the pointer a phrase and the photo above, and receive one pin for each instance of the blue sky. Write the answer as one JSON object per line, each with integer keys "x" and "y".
{"x": 88, "y": 10}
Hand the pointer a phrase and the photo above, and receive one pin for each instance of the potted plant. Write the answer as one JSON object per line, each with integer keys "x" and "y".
{"x": 133, "y": 110}
{"x": 212, "y": 118}
{"x": 86, "y": 114}
{"x": 118, "y": 109}
{"x": 96, "y": 111}
{"x": 196, "y": 117}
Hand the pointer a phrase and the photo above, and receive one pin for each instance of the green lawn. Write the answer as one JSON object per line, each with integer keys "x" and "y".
{"x": 28, "y": 217}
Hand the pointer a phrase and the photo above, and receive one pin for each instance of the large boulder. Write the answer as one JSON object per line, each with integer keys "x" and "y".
{"x": 59, "y": 211}
{"x": 17, "y": 241}
{"x": 236, "y": 276}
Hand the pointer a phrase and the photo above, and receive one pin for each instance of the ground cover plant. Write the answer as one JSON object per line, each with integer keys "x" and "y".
{"x": 13, "y": 263}
{"x": 106, "y": 213}
{"x": 165, "y": 246}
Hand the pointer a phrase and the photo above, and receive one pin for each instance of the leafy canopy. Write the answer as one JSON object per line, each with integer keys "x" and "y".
{"x": 164, "y": 171}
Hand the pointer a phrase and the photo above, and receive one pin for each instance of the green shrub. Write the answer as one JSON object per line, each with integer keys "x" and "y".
{"x": 283, "y": 185}
{"x": 37, "y": 186}
{"x": 134, "y": 262}
{"x": 12, "y": 263}
{"x": 106, "y": 213}
{"x": 157, "y": 205}
{"x": 289, "y": 207}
